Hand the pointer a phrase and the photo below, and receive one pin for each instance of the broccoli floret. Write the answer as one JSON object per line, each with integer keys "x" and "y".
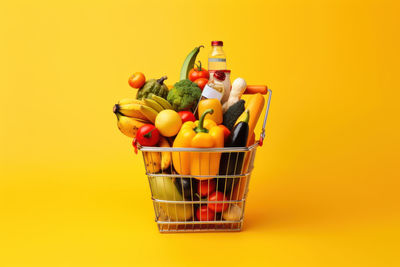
{"x": 184, "y": 95}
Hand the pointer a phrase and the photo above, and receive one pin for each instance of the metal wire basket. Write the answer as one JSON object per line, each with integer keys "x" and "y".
{"x": 178, "y": 199}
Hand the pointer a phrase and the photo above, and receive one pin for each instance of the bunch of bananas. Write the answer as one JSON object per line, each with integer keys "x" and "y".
{"x": 156, "y": 161}
{"x": 133, "y": 113}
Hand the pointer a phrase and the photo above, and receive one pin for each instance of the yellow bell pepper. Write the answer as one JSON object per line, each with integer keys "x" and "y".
{"x": 213, "y": 104}
{"x": 200, "y": 134}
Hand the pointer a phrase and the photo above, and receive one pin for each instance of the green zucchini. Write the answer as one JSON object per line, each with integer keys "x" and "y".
{"x": 232, "y": 114}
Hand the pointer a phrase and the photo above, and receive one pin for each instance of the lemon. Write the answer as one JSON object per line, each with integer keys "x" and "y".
{"x": 168, "y": 122}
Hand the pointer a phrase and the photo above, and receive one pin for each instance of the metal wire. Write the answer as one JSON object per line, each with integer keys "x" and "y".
{"x": 176, "y": 198}
{"x": 176, "y": 193}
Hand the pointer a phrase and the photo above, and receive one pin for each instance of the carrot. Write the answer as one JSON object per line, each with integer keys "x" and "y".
{"x": 254, "y": 89}
{"x": 255, "y": 105}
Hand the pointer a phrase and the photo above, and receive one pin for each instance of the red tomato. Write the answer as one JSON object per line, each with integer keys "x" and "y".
{"x": 186, "y": 116}
{"x": 201, "y": 82}
{"x": 203, "y": 213}
{"x": 137, "y": 80}
{"x": 198, "y": 72}
{"x": 148, "y": 135}
{"x": 206, "y": 187}
{"x": 226, "y": 131}
{"x": 218, "y": 207}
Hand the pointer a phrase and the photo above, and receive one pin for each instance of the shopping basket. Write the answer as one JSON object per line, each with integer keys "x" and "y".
{"x": 176, "y": 197}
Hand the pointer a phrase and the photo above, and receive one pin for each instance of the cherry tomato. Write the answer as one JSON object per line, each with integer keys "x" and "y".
{"x": 226, "y": 131}
{"x": 218, "y": 207}
{"x": 203, "y": 213}
{"x": 198, "y": 72}
{"x": 137, "y": 80}
{"x": 186, "y": 116}
{"x": 148, "y": 135}
{"x": 201, "y": 82}
{"x": 206, "y": 187}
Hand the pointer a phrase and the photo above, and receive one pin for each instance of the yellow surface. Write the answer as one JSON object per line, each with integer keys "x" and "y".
{"x": 326, "y": 184}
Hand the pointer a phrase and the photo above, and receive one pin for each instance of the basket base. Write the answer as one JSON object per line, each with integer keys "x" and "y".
{"x": 185, "y": 228}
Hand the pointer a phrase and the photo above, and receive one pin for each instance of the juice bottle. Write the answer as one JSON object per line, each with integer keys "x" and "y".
{"x": 216, "y": 58}
{"x": 215, "y": 87}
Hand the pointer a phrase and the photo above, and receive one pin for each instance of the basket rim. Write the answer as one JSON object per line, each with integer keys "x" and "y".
{"x": 204, "y": 150}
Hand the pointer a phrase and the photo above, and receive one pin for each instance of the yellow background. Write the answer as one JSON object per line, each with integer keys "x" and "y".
{"x": 325, "y": 190}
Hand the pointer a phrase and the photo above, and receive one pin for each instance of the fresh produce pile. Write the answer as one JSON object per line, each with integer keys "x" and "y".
{"x": 186, "y": 116}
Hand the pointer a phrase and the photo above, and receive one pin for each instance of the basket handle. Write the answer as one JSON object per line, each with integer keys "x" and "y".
{"x": 262, "y": 135}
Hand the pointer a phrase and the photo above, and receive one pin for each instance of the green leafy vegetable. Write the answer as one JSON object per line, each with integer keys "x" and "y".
{"x": 184, "y": 95}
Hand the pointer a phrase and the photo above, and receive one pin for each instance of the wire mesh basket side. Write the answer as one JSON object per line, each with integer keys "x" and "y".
{"x": 177, "y": 197}
{"x": 176, "y": 176}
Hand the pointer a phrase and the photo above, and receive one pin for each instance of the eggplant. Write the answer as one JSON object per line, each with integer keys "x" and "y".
{"x": 187, "y": 188}
{"x": 232, "y": 162}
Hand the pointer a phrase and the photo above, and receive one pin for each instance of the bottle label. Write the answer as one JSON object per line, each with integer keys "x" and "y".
{"x": 209, "y": 92}
{"x": 216, "y": 59}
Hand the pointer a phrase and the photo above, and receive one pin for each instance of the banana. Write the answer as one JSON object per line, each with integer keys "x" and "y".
{"x": 153, "y": 104}
{"x": 163, "y": 102}
{"x": 127, "y": 125}
{"x": 130, "y": 101}
{"x": 149, "y": 113}
{"x": 130, "y": 110}
{"x": 188, "y": 64}
{"x": 146, "y": 121}
{"x": 152, "y": 161}
{"x": 165, "y": 156}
